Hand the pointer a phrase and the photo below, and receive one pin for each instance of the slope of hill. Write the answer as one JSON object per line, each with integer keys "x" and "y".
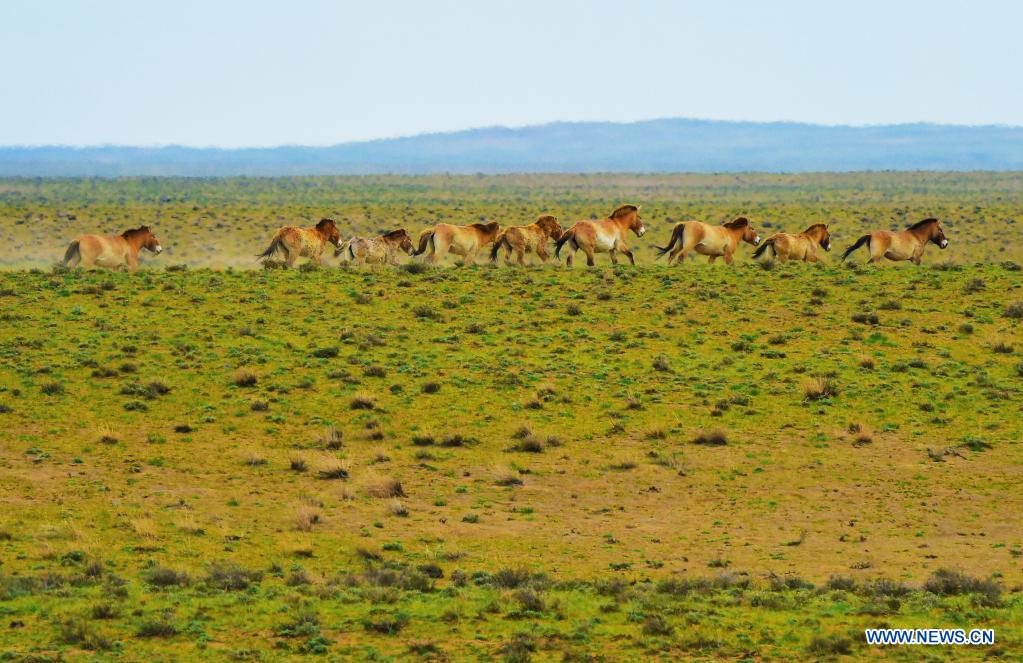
{"x": 668, "y": 145}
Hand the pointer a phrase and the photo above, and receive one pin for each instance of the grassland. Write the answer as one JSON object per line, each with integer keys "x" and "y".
{"x": 606, "y": 464}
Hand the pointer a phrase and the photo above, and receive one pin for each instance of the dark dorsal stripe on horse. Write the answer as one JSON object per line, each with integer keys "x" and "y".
{"x": 921, "y": 224}
{"x": 131, "y": 232}
{"x": 622, "y": 211}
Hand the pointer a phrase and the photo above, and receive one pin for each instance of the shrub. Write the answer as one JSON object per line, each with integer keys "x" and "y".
{"x": 715, "y": 438}
{"x": 820, "y": 388}
{"x": 1014, "y": 311}
{"x": 333, "y": 468}
{"x": 945, "y": 582}
{"x": 415, "y": 267}
{"x": 841, "y": 583}
{"x": 384, "y": 487}
{"x": 229, "y": 576}
{"x": 156, "y": 628}
{"x": 387, "y": 625}
{"x": 52, "y": 389}
{"x": 244, "y": 378}
{"x": 164, "y": 577}
{"x": 656, "y": 625}
{"x": 830, "y": 645}
{"x": 424, "y": 312}
{"x": 81, "y": 634}
{"x": 362, "y": 403}
{"x": 529, "y": 600}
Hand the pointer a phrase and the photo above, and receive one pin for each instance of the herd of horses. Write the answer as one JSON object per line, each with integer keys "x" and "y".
{"x": 608, "y": 236}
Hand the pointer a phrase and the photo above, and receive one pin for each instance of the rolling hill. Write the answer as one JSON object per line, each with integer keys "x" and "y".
{"x": 666, "y": 145}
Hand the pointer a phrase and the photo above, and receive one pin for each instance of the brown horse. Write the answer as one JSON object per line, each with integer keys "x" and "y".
{"x": 905, "y": 244}
{"x": 382, "y": 250}
{"x": 711, "y": 241}
{"x": 308, "y": 242}
{"x": 531, "y": 238}
{"x": 112, "y": 251}
{"x": 464, "y": 241}
{"x": 797, "y": 247}
{"x": 607, "y": 236}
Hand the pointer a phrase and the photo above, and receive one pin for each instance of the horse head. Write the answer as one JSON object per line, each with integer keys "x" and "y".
{"x": 549, "y": 224}
{"x": 146, "y": 239}
{"x": 938, "y": 235}
{"x": 749, "y": 235}
{"x": 401, "y": 239}
{"x": 328, "y": 229}
{"x": 820, "y": 233}
{"x": 630, "y": 212}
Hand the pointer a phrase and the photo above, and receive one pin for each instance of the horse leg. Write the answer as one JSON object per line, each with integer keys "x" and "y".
{"x": 133, "y": 262}
{"x": 628, "y": 253}
{"x": 589, "y": 256}
{"x": 614, "y": 256}
{"x": 728, "y": 258}
{"x": 437, "y": 251}
{"x": 711, "y": 259}
{"x": 542, "y": 254}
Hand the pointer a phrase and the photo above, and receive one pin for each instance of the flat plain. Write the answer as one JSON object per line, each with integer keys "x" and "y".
{"x": 201, "y": 461}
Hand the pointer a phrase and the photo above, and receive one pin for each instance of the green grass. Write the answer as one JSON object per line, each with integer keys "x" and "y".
{"x": 696, "y": 462}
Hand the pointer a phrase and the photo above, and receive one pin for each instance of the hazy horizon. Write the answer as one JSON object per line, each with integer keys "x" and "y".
{"x": 260, "y": 74}
{"x": 494, "y": 127}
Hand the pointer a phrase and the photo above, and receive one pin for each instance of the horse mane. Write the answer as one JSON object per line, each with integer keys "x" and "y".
{"x": 623, "y": 210}
{"x": 394, "y": 234}
{"x": 741, "y": 222}
{"x": 814, "y": 227}
{"x": 546, "y": 217}
{"x": 324, "y": 223}
{"x": 921, "y": 224}
{"x": 487, "y": 227}
{"x": 131, "y": 232}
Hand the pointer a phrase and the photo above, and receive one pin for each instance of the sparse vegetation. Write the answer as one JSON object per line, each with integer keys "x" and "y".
{"x": 693, "y": 488}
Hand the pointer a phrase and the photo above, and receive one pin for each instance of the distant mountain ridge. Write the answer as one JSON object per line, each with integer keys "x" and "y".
{"x": 667, "y": 145}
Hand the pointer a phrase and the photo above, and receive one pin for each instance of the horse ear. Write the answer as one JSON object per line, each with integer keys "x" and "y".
{"x": 638, "y": 207}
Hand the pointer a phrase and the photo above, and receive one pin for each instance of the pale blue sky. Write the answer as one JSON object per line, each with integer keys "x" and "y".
{"x": 233, "y": 73}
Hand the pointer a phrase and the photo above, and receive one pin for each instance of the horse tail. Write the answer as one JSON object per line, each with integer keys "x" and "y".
{"x": 676, "y": 238}
{"x": 501, "y": 240}
{"x": 275, "y": 245}
{"x": 569, "y": 236}
{"x": 343, "y": 247}
{"x": 425, "y": 239}
{"x": 768, "y": 244}
{"x": 860, "y": 242}
{"x": 73, "y": 249}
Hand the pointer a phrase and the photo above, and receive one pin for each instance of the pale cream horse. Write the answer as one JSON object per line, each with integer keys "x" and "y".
{"x": 607, "y": 236}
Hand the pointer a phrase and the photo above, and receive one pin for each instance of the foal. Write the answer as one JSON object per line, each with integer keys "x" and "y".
{"x": 797, "y": 247}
